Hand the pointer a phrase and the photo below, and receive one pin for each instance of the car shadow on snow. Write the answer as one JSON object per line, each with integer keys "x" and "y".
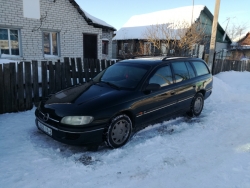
{"x": 49, "y": 147}
{"x": 79, "y": 154}
{"x": 165, "y": 128}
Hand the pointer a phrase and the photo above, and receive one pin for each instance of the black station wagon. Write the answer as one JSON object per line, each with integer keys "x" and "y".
{"x": 124, "y": 98}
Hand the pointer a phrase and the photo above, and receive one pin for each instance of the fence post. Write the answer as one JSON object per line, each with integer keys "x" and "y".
{"x": 63, "y": 78}
{"x": 51, "y": 78}
{"x": 7, "y": 94}
{"x": 108, "y": 63}
{"x": 79, "y": 70}
{"x": 35, "y": 82}
{"x": 103, "y": 64}
{"x": 67, "y": 72}
{"x": 28, "y": 86}
{"x": 13, "y": 87}
{"x": 86, "y": 70}
{"x": 97, "y": 66}
{"x": 21, "y": 105}
{"x": 92, "y": 68}
{"x": 44, "y": 80}
{"x": 58, "y": 76}
{"x": 73, "y": 68}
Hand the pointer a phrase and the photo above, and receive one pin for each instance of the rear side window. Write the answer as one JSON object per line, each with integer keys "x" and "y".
{"x": 180, "y": 71}
{"x": 201, "y": 68}
{"x": 190, "y": 70}
{"x": 163, "y": 76}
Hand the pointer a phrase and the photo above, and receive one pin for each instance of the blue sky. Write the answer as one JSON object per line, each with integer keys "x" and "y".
{"x": 117, "y": 12}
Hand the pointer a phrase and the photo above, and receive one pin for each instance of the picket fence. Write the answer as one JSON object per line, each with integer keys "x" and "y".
{"x": 24, "y": 84}
{"x": 221, "y": 65}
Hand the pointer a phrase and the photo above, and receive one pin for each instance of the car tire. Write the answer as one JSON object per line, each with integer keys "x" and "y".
{"x": 196, "y": 105}
{"x": 119, "y": 131}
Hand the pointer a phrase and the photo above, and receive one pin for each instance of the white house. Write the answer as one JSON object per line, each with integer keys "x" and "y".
{"x": 50, "y": 30}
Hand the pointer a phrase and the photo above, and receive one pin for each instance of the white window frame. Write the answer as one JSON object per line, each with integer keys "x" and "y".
{"x": 51, "y": 44}
{"x": 19, "y": 46}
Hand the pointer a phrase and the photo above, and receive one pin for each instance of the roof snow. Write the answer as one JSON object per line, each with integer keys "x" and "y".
{"x": 97, "y": 20}
{"x": 136, "y": 26}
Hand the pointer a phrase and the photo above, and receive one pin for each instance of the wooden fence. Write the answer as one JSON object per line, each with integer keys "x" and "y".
{"x": 26, "y": 83}
{"x": 220, "y": 65}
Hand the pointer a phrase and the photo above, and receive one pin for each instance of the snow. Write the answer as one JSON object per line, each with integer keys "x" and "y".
{"x": 2, "y": 61}
{"x": 97, "y": 20}
{"x": 137, "y": 25}
{"x": 212, "y": 150}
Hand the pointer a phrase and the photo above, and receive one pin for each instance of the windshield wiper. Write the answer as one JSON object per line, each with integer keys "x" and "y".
{"x": 111, "y": 84}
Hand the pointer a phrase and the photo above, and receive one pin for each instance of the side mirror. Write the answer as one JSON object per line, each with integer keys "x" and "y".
{"x": 152, "y": 87}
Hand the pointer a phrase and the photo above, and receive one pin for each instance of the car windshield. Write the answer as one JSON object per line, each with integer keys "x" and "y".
{"x": 122, "y": 75}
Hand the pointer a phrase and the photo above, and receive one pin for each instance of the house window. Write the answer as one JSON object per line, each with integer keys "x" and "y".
{"x": 50, "y": 43}
{"x": 125, "y": 46}
{"x": 105, "y": 45}
{"x": 9, "y": 42}
{"x": 147, "y": 48}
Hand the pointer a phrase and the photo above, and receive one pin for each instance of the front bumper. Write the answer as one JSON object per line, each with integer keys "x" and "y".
{"x": 75, "y": 137}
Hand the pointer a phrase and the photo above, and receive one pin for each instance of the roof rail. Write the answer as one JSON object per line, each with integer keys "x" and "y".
{"x": 165, "y": 58}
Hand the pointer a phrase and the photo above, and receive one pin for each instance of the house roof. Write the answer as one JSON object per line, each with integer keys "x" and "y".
{"x": 136, "y": 26}
{"x": 245, "y": 40}
{"x": 91, "y": 20}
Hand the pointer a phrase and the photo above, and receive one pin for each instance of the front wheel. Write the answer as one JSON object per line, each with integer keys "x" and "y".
{"x": 119, "y": 131}
{"x": 196, "y": 105}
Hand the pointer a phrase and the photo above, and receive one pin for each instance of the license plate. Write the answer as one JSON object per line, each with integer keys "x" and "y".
{"x": 45, "y": 129}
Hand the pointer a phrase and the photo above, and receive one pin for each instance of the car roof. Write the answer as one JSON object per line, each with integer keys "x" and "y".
{"x": 153, "y": 61}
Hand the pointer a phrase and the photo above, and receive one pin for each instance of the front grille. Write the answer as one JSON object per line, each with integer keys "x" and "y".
{"x": 46, "y": 118}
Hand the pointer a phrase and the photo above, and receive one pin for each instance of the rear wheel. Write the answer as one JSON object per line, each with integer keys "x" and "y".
{"x": 196, "y": 105}
{"x": 119, "y": 131}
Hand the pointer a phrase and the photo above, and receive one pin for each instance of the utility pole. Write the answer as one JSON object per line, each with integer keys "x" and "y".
{"x": 213, "y": 34}
{"x": 192, "y": 13}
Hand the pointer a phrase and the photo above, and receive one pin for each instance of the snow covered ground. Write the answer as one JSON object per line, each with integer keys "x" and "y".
{"x": 210, "y": 151}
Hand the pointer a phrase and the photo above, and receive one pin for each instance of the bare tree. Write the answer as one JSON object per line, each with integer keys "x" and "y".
{"x": 190, "y": 36}
{"x": 236, "y": 30}
{"x": 179, "y": 37}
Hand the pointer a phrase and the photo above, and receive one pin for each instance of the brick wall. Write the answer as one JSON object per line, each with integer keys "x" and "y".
{"x": 61, "y": 17}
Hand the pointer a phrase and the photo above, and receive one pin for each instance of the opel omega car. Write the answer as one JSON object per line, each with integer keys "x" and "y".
{"x": 124, "y": 98}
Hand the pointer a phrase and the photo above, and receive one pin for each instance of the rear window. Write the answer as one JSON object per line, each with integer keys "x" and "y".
{"x": 201, "y": 68}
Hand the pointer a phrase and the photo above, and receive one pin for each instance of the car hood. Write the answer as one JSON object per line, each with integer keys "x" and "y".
{"x": 86, "y": 98}
{"x": 79, "y": 94}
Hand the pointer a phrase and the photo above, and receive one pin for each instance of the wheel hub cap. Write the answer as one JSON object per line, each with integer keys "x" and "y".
{"x": 198, "y": 105}
{"x": 120, "y": 132}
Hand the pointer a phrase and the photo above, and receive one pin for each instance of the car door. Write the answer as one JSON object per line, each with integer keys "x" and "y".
{"x": 157, "y": 104}
{"x": 184, "y": 85}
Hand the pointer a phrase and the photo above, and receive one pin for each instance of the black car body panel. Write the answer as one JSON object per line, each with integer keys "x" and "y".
{"x": 102, "y": 101}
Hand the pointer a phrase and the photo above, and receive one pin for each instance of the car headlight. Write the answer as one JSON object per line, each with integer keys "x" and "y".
{"x": 77, "y": 120}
